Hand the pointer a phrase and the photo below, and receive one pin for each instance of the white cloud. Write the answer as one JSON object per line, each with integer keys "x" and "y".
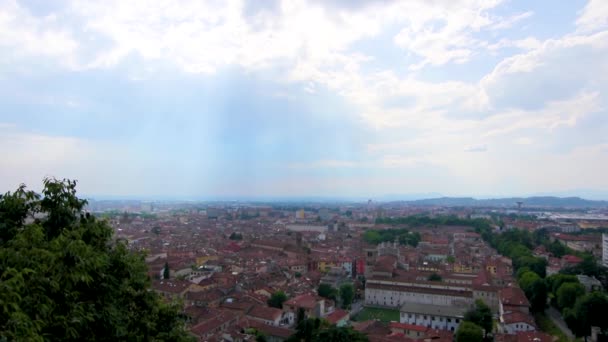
{"x": 594, "y": 16}
{"x": 323, "y": 164}
{"x": 528, "y": 43}
{"x": 476, "y": 148}
{"x": 548, "y": 86}
{"x": 510, "y": 21}
{"x": 24, "y": 35}
{"x": 556, "y": 69}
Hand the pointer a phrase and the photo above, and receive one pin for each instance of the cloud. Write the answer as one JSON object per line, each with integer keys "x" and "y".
{"x": 323, "y": 164}
{"x": 557, "y": 69}
{"x": 528, "y": 43}
{"x": 24, "y": 35}
{"x": 476, "y": 148}
{"x": 524, "y": 141}
{"x": 510, "y": 21}
{"x": 420, "y": 84}
{"x": 593, "y": 17}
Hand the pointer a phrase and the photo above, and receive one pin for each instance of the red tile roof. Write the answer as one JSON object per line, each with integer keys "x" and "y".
{"x": 518, "y": 317}
{"x": 533, "y": 336}
{"x": 513, "y": 296}
{"x": 405, "y": 326}
{"x": 336, "y": 316}
{"x": 270, "y": 330}
{"x": 265, "y": 312}
{"x": 308, "y": 301}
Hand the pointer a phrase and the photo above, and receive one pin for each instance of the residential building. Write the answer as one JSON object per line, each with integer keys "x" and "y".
{"x": 432, "y": 316}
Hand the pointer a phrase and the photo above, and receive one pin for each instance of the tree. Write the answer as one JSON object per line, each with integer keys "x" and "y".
{"x": 301, "y": 315}
{"x": 307, "y": 330}
{"x": 259, "y": 336}
{"x": 341, "y": 334}
{"x": 327, "y": 291}
{"x": 536, "y": 265}
{"x": 434, "y": 277}
{"x": 166, "y": 271}
{"x": 236, "y": 236}
{"x": 568, "y": 293}
{"x": 589, "y": 311}
{"x": 347, "y": 293}
{"x": 469, "y": 332}
{"x": 535, "y": 289}
{"x": 156, "y": 230}
{"x": 555, "y": 281}
{"x": 480, "y": 315}
{"x": 315, "y": 329}
{"x": 277, "y": 299}
{"x": 64, "y": 278}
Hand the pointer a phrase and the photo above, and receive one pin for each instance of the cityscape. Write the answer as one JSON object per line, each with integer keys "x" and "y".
{"x": 304, "y": 170}
{"x": 391, "y": 270}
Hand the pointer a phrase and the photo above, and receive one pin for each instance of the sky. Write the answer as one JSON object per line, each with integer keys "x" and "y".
{"x": 335, "y": 98}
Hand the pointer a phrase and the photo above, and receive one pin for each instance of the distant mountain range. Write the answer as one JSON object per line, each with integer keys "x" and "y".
{"x": 536, "y": 201}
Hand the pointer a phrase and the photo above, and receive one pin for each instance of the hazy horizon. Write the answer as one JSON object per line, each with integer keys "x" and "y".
{"x": 593, "y": 196}
{"x": 306, "y": 98}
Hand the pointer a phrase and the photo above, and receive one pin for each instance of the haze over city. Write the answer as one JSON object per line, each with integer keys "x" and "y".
{"x": 322, "y": 98}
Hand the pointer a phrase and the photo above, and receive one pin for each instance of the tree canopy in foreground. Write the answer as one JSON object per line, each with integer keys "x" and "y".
{"x": 64, "y": 278}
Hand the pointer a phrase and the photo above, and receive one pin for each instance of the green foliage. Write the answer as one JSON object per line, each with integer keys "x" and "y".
{"x": 480, "y": 315}
{"x": 555, "y": 281}
{"x": 259, "y": 336}
{"x": 434, "y": 277}
{"x": 469, "y": 332}
{"x": 298, "y": 275}
{"x": 591, "y": 268}
{"x": 315, "y": 329}
{"x": 450, "y": 259}
{"x": 236, "y": 236}
{"x": 327, "y": 291}
{"x": 535, "y": 289}
{"x": 14, "y": 208}
{"x": 63, "y": 278}
{"x": 347, "y": 293}
{"x": 403, "y": 236}
{"x": 568, "y": 293}
{"x": 341, "y": 334}
{"x": 383, "y": 315}
{"x": 545, "y": 324}
{"x": 536, "y": 265}
{"x": 301, "y": 316}
{"x": 557, "y": 249}
{"x": 588, "y": 311}
{"x": 277, "y": 299}
{"x": 166, "y": 271}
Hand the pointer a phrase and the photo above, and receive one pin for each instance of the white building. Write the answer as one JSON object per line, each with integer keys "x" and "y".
{"x": 432, "y": 316}
{"x": 395, "y": 294}
{"x": 513, "y": 322}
